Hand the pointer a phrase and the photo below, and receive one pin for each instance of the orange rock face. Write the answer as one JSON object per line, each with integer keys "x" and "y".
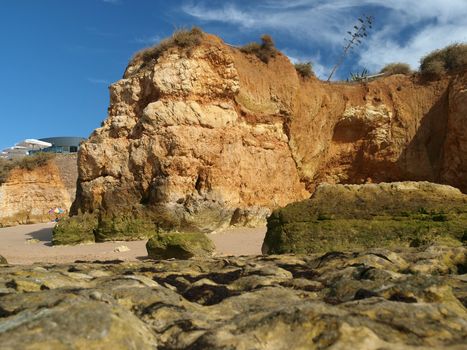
{"x": 216, "y": 137}
{"x": 28, "y": 195}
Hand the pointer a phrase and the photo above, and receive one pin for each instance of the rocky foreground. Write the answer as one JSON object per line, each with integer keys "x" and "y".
{"x": 378, "y": 299}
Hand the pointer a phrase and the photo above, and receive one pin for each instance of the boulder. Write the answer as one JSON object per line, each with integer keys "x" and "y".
{"x": 3, "y": 261}
{"x": 75, "y": 230}
{"x": 179, "y": 245}
{"x": 349, "y": 217}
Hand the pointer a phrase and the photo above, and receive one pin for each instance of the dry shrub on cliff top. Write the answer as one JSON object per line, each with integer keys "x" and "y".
{"x": 182, "y": 38}
{"x": 5, "y": 167}
{"x": 304, "y": 69}
{"x": 396, "y": 68}
{"x": 29, "y": 163}
{"x": 264, "y": 51}
{"x": 451, "y": 58}
{"x": 34, "y": 161}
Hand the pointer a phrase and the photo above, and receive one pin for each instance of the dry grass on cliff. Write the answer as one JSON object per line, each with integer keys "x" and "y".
{"x": 396, "y": 68}
{"x": 182, "y": 38}
{"x": 305, "y": 69}
{"x": 264, "y": 51}
{"x": 28, "y": 163}
{"x": 450, "y": 59}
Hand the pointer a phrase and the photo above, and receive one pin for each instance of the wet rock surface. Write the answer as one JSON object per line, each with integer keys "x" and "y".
{"x": 377, "y": 299}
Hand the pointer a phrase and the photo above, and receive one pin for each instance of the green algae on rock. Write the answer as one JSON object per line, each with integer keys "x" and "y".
{"x": 121, "y": 228}
{"x": 75, "y": 230}
{"x": 179, "y": 245}
{"x": 353, "y": 217}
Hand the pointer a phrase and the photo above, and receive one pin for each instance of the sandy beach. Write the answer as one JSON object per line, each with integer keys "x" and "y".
{"x": 27, "y": 244}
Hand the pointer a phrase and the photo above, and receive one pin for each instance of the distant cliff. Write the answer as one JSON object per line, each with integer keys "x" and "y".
{"x": 27, "y": 195}
{"x": 209, "y": 137}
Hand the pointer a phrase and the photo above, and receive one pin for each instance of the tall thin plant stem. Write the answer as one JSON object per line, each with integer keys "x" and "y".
{"x": 359, "y": 32}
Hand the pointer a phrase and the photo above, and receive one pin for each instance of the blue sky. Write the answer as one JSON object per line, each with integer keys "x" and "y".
{"x": 59, "y": 56}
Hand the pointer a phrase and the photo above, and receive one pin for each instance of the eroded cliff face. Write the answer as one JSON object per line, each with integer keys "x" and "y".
{"x": 28, "y": 195}
{"x": 213, "y": 137}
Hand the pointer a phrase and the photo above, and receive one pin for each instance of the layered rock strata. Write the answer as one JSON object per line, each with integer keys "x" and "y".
{"x": 366, "y": 216}
{"x": 404, "y": 299}
{"x": 211, "y": 137}
{"x": 27, "y": 195}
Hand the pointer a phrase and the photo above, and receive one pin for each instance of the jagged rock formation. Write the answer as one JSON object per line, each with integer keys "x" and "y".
{"x": 409, "y": 299}
{"x": 27, "y": 195}
{"x": 340, "y": 217}
{"x": 210, "y": 137}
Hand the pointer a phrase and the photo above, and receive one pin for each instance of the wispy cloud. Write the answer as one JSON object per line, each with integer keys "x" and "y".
{"x": 148, "y": 40}
{"x": 403, "y": 32}
{"x": 114, "y": 2}
{"x": 321, "y": 71}
{"x": 98, "y": 81}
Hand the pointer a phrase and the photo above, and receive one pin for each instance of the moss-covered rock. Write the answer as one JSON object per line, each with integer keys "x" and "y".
{"x": 75, "y": 230}
{"x": 179, "y": 245}
{"x": 354, "y": 217}
{"x": 122, "y": 228}
{"x": 3, "y": 260}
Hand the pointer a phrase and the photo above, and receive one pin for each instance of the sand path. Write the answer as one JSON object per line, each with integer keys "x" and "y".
{"x": 27, "y": 244}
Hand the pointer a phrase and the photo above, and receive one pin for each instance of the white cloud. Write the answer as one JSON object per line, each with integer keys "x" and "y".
{"x": 404, "y": 30}
{"x": 112, "y": 1}
{"x": 321, "y": 70}
{"x": 381, "y": 51}
{"x": 281, "y": 16}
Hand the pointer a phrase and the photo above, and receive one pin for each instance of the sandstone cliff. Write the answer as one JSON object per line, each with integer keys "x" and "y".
{"x": 208, "y": 137}
{"x": 27, "y": 195}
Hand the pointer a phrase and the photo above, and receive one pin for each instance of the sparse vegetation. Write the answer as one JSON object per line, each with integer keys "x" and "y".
{"x": 28, "y": 162}
{"x": 358, "y": 76}
{"x": 264, "y": 51}
{"x": 396, "y": 68}
{"x": 304, "y": 69}
{"x": 183, "y": 38}
{"x": 356, "y": 36}
{"x": 449, "y": 59}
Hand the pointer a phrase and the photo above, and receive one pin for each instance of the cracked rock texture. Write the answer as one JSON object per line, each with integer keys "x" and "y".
{"x": 216, "y": 137}
{"x": 377, "y": 299}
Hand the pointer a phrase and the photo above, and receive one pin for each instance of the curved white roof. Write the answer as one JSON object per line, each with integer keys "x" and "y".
{"x": 34, "y": 144}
